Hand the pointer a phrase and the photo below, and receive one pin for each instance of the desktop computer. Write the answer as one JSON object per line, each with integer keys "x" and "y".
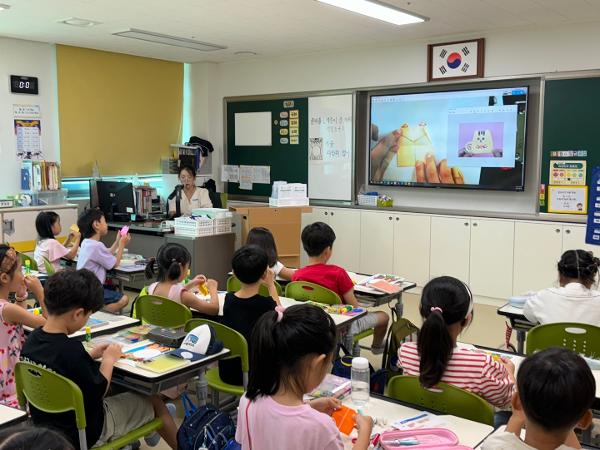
{"x": 114, "y": 198}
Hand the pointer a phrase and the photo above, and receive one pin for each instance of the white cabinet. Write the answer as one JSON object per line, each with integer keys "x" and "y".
{"x": 346, "y": 225}
{"x": 411, "y": 247}
{"x": 450, "y": 242}
{"x": 573, "y": 238}
{"x": 538, "y": 247}
{"x": 376, "y": 242}
{"x": 491, "y": 257}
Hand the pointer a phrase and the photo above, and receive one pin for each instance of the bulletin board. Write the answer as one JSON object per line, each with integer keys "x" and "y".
{"x": 570, "y": 147}
{"x": 286, "y": 156}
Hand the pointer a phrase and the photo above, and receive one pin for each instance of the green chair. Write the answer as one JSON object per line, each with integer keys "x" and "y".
{"x": 234, "y": 285}
{"x": 304, "y": 291}
{"x": 238, "y": 347}
{"x": 581, "y": 338}
{"x": 161, "y": 311}
{"x": 50, "y": 270}
{"x": 32, "y": 264}
{"x": 53, "y": 393}
{"x": 444, "y": 398}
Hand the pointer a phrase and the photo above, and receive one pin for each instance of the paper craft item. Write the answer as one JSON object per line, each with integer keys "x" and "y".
{"x": 414, "y": 144}
{"x": 344, "y": 419}
{"x": 124, "y": 230}
{"x": 74, "y": 228}
{"x": 384, "y": 286}
{"x": 332, "y": 386}
{"x": 145, "y": 351}
{"x": 163, "y": 363}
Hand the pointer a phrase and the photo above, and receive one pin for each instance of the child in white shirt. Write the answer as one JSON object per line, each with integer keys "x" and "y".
{"x": 574, "y": 300}
{"x": 47, "y": 225}
{"x": 263, "y": 238}
{"x": 556, "y": 390}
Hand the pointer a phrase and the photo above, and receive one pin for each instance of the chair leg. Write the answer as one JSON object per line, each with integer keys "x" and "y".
{"x": 214, "y": 397}
{"x": 201, "y": 389}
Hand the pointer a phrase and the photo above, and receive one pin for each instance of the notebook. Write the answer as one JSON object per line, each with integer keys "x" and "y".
{"x": 163, "y": 363}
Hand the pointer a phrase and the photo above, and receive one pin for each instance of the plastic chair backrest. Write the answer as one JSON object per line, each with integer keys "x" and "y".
{"x": 444, "y": 398}
{"x": 305, "y": 291}
{"x": 581, "y": 338}
{"x": 50, "y": 270}
{"x": 50, "y": 392}
{"x": 234, "y": 285}
{"x": 232, "y": 340}
{"x": 32, "y": 264}
{"x": 161, "y": 311}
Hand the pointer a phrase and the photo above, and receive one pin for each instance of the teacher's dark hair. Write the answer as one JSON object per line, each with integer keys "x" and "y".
{"x": 190, "y": 169}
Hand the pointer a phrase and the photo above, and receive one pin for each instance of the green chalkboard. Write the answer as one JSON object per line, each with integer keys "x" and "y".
{"x": 571, "y": 124}
{"x": 288, "y": 161}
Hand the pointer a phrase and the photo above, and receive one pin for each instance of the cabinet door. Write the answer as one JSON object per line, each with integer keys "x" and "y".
{"x": 317, "y": 215}
{"x": 538, "y": 247}
{"x": 412, "y": 234}
{"x": 376, "y": 242}
{"x": 449, "y": 253}
{"x": 346, "y": 250}
{"x": 491, "y": 257}
{"x": 574, "y": 239}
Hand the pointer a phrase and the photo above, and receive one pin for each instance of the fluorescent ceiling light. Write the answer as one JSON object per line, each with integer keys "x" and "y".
{"x": 377, "y": 10}
{"x": 77, "y": 22}
{"x": 165, "y": 39}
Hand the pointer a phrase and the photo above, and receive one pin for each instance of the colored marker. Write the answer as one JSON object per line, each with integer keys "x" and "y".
{"x": 88, "y": 334}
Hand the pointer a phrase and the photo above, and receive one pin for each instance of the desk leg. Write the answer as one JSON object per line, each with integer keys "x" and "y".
{"x": 398, "y": 308}
{"x": 521, "y": 341}
{"x": 201, "y": 389}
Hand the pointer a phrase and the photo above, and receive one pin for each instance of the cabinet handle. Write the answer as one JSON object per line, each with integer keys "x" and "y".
{"x": 332, "y": 213}
{"x": 557, "y": 230}
{"x": 475, "y": 224}
{"x": 568, "y": 231}
{"x": 326, "y": 213}
{"x": 466, "y": 224}
{"x": 390, "y": 217}
{"x": 397, "y": 219}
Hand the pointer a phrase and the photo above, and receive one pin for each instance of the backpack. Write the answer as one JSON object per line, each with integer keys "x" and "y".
{"x": 342, "y": 367}
{"x": 205, "y": 428}
{"x": 401, "y": 330}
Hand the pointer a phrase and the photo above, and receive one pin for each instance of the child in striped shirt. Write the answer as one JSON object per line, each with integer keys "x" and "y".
{"x": 447, "y": 309}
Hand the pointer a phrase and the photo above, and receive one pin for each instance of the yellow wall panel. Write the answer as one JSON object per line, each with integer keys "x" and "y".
{"x": 120, "y": 110}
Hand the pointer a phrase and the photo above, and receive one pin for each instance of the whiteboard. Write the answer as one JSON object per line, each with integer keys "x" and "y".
{"x": 330, "y": 147}
{"x": 253, "y": 129}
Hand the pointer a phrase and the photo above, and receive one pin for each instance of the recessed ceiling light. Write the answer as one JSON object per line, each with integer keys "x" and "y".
{"x": 4, "y": 6}
{"x": 245, "y": 53}
{"x": 165, "y": 39}
{"x": 377, "y": 10}
{"x": 77, "y": 22}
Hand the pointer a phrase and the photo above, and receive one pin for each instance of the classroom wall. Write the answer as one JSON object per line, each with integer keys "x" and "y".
{"x": 18, "y": 57}
{"x": 508, "y": 53}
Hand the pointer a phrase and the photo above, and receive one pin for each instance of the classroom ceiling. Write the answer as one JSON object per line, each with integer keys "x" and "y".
{"x": 271, "y": 27}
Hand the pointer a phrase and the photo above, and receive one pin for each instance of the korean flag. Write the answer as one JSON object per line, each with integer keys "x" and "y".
{"x": 454, "y": 60}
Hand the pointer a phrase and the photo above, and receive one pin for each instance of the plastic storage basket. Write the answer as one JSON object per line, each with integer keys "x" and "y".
{"x": 367, "y": 200}
{"x": 194, "y": 227}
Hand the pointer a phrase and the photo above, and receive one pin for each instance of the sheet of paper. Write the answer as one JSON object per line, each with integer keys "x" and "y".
{"x": 230, "y": 173}
{"x": 246, "y": 177}
{"x": 568, "y": 200}
{"x": 261, "y": 174}
{"x": 29, "y": 139}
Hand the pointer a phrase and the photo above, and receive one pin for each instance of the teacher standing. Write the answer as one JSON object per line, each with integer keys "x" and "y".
{"x": 187, "y": 196}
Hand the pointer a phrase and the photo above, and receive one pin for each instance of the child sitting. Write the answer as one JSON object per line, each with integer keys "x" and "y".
{"x": 12, "y": 318}
{"x": 242, "y": 309}
{"x": 47, "y": 224}
{"x": 555, "y": 391}
{"x": 291, "y": 353}
{"x": 263, "y": 238}
{"x": 574, "y": 300}
{"x": 71, "y": 297}
{"x": 447, "y": 309}
{"x": 317, "y": 240}
{"x": 96, "y": 257}
{"x": 173, "y": 261}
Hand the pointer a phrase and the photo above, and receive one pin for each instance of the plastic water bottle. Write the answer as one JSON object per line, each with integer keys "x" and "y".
{"x": 361, "y": 377}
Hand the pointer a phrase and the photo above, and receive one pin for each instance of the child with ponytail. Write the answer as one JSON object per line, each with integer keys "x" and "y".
{"x": 291, "y": 353}
{"x": 575, "y": 300}
{"x": 447, "y": 309}
{"x": 173, "y": 261}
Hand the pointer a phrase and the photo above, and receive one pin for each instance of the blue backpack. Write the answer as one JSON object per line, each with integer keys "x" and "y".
{"x": 205, "y": 428}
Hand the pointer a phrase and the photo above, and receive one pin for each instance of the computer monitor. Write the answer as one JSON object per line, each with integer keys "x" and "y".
{"x": 114, "y": 198}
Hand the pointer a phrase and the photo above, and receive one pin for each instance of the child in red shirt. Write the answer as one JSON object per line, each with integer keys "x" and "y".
{"x": 317, "y": 240}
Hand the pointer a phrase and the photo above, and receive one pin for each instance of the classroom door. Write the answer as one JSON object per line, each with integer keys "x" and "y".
{"x": 450, "y": 243}
{"x": 491, "y": 257}
{"x": 376, "y": 242}
{"x": 538, "y": 247}
{"x": 346, "y": 249}
{"x": 412, "y": 238}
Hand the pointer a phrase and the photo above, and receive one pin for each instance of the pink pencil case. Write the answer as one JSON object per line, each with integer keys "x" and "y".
{"x": 431, "y": 438}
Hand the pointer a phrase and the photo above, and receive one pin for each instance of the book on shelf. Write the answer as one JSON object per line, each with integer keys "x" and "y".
{"x": 40, "y": 175}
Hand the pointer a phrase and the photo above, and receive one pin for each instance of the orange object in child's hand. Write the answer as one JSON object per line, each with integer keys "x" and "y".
{"x": 344, "y": 419}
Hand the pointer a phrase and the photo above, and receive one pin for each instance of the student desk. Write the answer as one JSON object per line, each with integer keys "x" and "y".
{"x": 115, "y": 323}
{"x": 11, "y": 416}
{"x": 518, "y": 322}
{"x": 388, "y": 410}
{"x": 342, "y": 322}
{"x": 146, "y": 382}
{"x": 124, "y": 273}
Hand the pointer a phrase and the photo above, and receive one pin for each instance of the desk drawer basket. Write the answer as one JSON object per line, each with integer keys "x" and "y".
{"x": 198, "y": 226}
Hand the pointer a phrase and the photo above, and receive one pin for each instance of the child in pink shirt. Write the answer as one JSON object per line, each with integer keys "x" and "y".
{"x": 290, "y": 354}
